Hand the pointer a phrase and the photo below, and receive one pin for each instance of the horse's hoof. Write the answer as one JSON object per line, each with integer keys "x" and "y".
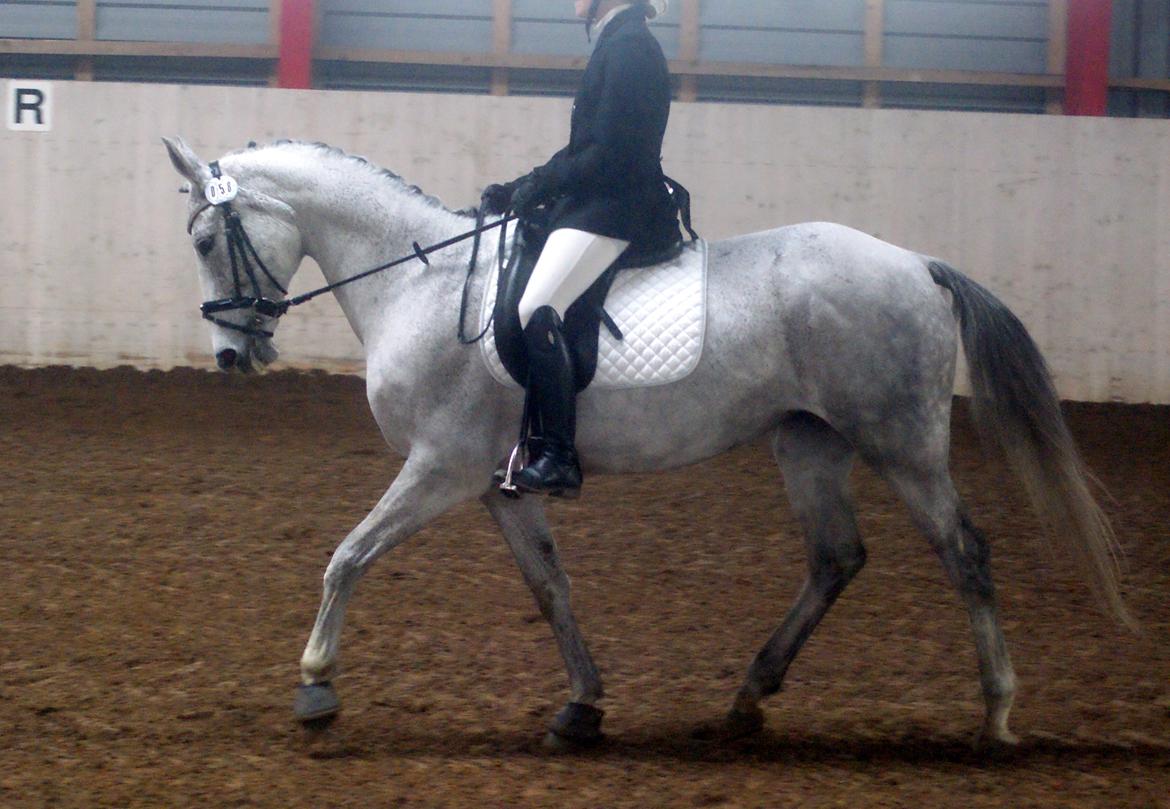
{"x": 736, "y": 725}
{"x": 316, "y": 706}
{"x": 996, "y": 745}
{"x": 577, "y": 725}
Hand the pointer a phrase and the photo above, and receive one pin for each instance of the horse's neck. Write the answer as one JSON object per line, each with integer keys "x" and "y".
{"x": 354, "y": 219}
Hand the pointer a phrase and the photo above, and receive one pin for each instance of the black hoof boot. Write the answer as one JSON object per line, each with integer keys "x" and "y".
{"x": 316, "y": 706}
{"x": 576, "y": 726}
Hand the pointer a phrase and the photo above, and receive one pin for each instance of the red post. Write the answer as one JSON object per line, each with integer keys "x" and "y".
{"x": 295, "y": 69}
{"x": 1086, "y": 90}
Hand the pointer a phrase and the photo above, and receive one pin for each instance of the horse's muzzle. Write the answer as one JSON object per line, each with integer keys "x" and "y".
{"x": 227, "y": 359}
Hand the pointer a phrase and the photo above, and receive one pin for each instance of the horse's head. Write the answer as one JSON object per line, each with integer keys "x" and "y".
{"x": 240, "y": 337}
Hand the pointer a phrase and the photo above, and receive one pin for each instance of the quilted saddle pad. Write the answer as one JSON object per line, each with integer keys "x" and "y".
{"x": 661, "y": 311}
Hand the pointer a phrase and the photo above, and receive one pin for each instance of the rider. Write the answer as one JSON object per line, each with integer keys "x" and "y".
{"x": 604, "y": 192}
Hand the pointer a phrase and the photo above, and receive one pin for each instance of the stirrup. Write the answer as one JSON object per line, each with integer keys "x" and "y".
{"x": 507, "y": 487}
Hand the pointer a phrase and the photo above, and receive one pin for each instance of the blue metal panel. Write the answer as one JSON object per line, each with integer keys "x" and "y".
{"x": 782, "y": 47}
{"x": 1153, "y": 40}
{"x": 548, "y": 37}
{"x": 1123, "y": 39}
{"x": 248, "y": 72}
{"x": 562, "y": 11}
{"x": 963, "y": 97}
{"x": 954, "y": 53}
{"x": 411, "y": 78}
{"x": 39, "y": 19}
{"x": 207, "y": 21}
{"x": 552, "y": 38}
{"x": 37, "y": 66}
{"x": 542, "y": 10}
{"x": 406, "y": 33}
{"x": 1140, "y": 48}
{"x": 806, "y": 15}
{"x": 418, "y": 8}
{"x": 786, "y": 91}
{"x": 966, "y": 19}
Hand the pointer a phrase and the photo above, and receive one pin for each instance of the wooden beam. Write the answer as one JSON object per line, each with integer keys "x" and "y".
{"x": 690, "y": 31}
{"x": 274, "y": 9}
{"x": 86, "y": 32}
{"x": 875, "y": 36}
{"x": 1057, "y": 50}
{"x": 501, "y": 43}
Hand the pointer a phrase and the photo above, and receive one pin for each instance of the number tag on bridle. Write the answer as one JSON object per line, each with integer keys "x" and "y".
{"x": 221, "y": 189}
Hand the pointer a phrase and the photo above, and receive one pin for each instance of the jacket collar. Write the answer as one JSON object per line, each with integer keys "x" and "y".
{"x": 622, "y": 18}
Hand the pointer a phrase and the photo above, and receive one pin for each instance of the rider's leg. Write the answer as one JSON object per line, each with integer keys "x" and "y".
{"x": 569, "y": 264}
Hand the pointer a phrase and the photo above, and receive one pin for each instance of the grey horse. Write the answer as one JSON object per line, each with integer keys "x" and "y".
{"x": 831, "y": 342}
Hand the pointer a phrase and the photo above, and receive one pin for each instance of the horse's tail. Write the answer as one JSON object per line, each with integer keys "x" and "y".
{"x": 1016, "y": 405}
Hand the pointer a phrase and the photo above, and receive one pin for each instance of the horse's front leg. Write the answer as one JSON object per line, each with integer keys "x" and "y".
{"x": 423, "y": 490}
{"x": 525, "y": 528}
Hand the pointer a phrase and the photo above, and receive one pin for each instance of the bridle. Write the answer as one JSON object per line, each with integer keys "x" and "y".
{"x": 243, "y": 255}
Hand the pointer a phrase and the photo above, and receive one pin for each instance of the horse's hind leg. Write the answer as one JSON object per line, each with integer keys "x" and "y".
{"x": 526, "y": 530}
{"x": 965, "y": 554}
{"x": 815, "y": 460}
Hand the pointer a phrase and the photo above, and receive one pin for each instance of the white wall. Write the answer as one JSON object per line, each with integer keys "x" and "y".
{"x": 1064, "y": 218}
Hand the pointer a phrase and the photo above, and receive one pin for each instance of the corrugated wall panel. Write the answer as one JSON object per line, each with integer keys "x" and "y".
{"x": 944, "y": 53}
{"x": 413, "y": 78}
{"x": 993, "y": 35}
{"x": 38, "y": 19}
{"x": 963, "y": 97}
{"x": 395, "y": 32}
{"x": 183, "y": 71}
{"x": 782, "y": 47}
{"x": 417, "y": 25}
{"x": 552, "y": 38}
{"x": 1140, "y": 48}
{"x": 237, "y": 22}
{"x": 807, "y": 15}
{"x": 786, "y": 32}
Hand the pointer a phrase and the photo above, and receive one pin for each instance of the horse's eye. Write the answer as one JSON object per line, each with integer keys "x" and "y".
{"x": 205, "y": 244}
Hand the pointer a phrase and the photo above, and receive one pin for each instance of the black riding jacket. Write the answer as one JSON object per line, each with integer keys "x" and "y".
{"x": 609, "y": 179}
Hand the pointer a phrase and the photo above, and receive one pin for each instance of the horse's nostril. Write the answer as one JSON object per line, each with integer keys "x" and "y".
{"x": 226, "y": 359}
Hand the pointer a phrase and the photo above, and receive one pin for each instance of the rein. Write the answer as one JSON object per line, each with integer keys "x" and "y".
{"x": 243, "y": 254}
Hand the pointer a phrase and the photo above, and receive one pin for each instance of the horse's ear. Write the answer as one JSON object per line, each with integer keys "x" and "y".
{"x": 186, "y": 162}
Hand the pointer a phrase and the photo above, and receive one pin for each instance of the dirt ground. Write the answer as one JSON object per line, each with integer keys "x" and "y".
{"x": 163, "y": 536}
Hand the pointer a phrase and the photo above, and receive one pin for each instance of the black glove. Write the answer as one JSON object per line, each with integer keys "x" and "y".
{"x": 529, "y": 196}
{"x": 497, "y": 197}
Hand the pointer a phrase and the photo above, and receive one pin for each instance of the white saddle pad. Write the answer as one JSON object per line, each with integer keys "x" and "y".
{"x": 661, "y": 313}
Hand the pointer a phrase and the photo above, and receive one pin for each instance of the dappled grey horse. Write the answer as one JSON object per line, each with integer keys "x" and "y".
{"x": 834, "y": 343}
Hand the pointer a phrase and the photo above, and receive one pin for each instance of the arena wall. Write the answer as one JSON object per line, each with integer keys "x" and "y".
{"x": 1064, "y": 218}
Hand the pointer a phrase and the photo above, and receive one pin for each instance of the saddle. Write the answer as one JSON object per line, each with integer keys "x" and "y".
{"x": 584, "y": 318}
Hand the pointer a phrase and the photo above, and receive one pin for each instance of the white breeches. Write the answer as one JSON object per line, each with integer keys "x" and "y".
{"x": 569, "y": 264}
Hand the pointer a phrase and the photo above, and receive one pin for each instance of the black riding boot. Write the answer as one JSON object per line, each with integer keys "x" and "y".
{"x": 553, "y": 387}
